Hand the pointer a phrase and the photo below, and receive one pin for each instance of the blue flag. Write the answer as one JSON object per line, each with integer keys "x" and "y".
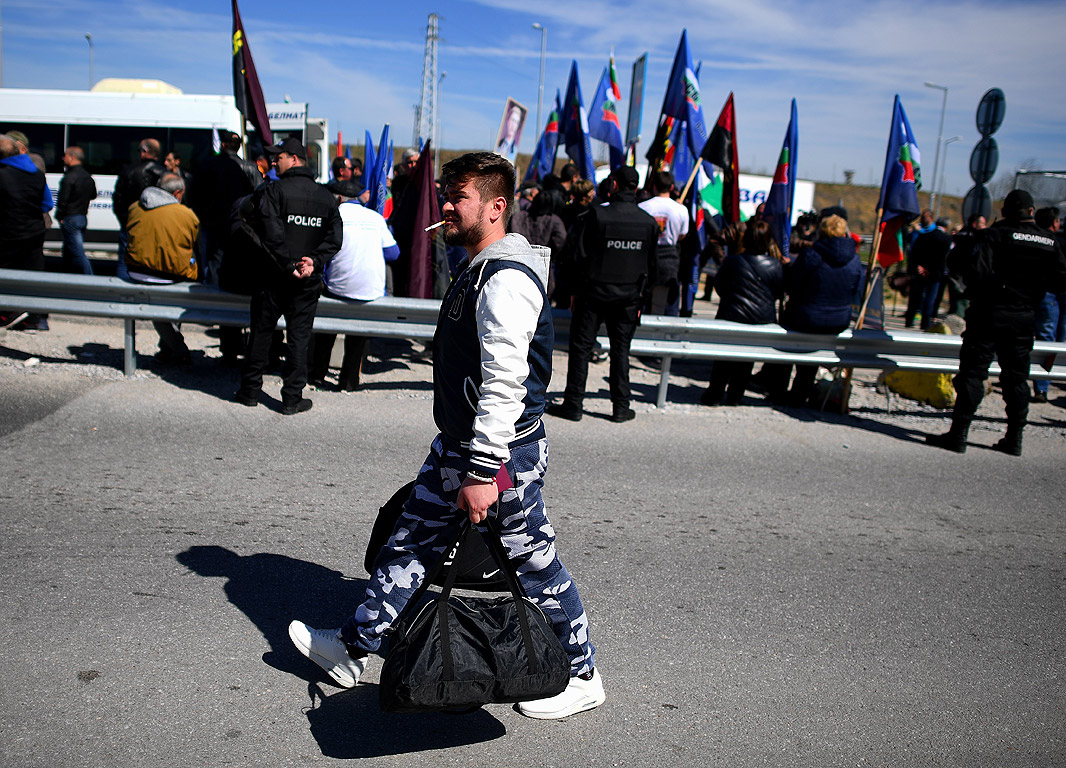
{"x": 543, "y": 160}
{"x": 603, "y": 117}
{"x": 682, "y": 100}
{"x": 368, "y": 159}
{"x": 900, "y": 183}
{"x": 902, "y": 177}
{"x": 379, "y": 172}
{"x": 778, "y": 210}
{"x": 574, "y": 127}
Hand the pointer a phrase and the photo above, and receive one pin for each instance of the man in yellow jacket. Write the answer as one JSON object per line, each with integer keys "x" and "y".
{"x": 162, "y": 250}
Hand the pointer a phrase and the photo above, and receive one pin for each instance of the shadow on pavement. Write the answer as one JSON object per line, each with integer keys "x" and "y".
{"x": 272, "y": 590}
{"x": 350, "y": 724}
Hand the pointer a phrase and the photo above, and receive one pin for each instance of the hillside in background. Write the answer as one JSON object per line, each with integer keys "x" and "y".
{"x": 861, "y": 203}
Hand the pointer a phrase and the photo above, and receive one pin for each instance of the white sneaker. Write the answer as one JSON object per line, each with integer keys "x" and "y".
{"x": 580, "y": 695}
{"x": 326, "y": 649}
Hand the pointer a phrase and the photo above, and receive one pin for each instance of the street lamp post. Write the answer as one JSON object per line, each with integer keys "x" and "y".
{"x": 91, "y": 51}
{"x": 944, "y": 171}
{"x": 934, "y": 199}
{"x": 540, "y": 88}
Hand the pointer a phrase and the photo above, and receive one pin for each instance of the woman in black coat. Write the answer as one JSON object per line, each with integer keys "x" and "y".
{"x": 748, "y": 284}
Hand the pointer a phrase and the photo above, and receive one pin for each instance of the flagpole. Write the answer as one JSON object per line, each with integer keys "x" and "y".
{"x": 691, "y": 178}
{"x": 868, "y": 291}
{"x": 870, "y": 269}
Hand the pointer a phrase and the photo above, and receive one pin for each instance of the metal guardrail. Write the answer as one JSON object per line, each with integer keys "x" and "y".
{"x": 659, "y": 336}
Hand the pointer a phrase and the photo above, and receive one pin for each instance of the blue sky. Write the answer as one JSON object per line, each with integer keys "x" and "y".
{"x": 359, "y": 64}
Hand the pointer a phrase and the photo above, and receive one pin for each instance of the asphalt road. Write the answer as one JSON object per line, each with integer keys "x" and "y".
{"x": 766, "y": 587}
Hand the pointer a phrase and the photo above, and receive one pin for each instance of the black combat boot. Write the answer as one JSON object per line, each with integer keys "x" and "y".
{"x": 1010, "y": 443}
{"x": 952, "y": 440}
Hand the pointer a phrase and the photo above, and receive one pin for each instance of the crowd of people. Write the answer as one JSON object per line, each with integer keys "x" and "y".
{"x": 618, "y": 250}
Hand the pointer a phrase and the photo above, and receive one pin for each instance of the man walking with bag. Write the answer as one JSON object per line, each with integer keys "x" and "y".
{"x": 492, "y": 364}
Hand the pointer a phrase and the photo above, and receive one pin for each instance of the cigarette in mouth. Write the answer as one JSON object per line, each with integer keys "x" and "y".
{"x": 431, "y": 227}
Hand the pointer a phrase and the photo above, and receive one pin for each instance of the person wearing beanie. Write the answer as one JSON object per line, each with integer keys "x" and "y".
{"x": 1014, "y": 263}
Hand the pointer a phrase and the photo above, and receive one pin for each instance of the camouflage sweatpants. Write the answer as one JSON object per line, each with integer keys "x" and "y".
{"x": 427, "y": 526}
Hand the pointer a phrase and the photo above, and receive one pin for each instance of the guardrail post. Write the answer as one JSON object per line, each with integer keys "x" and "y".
{"x": 664, "y": 380}
{"x": 130, "y": 352}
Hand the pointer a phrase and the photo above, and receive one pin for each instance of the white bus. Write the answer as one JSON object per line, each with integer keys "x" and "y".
{"x": 109, "y": 127}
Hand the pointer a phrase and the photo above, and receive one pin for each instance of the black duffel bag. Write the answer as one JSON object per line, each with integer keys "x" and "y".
{"x": 477, "y": 569}
{"x": 456, "y": 652}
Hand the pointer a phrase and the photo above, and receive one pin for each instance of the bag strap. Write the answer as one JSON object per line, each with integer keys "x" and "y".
{"x": 449, "y": 558}
{"x": 518, "y": 594}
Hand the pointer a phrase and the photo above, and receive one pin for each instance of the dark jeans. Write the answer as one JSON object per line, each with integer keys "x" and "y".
{"x": 923, "y": 298}
{"x": 74, "y": 258}
{"x": 1050, "y": 326}
{"x": 355, "y": 349}
{"x": 1007, "y": 336}
{"x": 297, "y": 302}
{"x": 620, "y": 316}
{"x": 729, "y": 380}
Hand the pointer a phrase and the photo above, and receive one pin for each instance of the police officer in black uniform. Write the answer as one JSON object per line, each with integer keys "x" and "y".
{"x": 1006, "y": 275}
{"x": 300, "y": 229}
{"x": 612, "y": 257}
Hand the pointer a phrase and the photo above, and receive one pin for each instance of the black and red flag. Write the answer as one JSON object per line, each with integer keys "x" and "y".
{"x": 421, "y": 272}
{"x": 246, "y": 89}
{"x": 721, "y": 150}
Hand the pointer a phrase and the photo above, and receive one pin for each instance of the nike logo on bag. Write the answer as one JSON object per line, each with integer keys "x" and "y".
{"x": 490, "y": 574}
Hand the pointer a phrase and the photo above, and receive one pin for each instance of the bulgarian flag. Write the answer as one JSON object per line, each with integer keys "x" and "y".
{"x": 900, "y": 183}
{"x": 603, "y": 116}
{"x": 778, "y": 210}
{"x": 543, "y": 160}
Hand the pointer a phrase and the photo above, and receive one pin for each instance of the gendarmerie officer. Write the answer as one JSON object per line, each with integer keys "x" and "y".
{"x": 300, "y": 229}
{"x": 613, "y": 259}
{"x": 1013, "y": 265}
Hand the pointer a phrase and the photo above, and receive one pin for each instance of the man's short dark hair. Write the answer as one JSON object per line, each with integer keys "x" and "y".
{"x": 1045, "y": 217}
{"x": 492, "y": 174}
{"x": 340, "y": 162}
{"x": 662, "y": 181}
{"x": 357, "y": 165}
{"x": 569, "y": 172}
{"x": 229, "y": 140}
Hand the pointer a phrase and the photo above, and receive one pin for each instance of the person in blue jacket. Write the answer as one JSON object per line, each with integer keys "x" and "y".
{"x": 822, "y": 283}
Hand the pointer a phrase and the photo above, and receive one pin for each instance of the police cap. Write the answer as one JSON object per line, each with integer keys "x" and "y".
{"x": 291, "y": 146}
{"x": 626, "y": 177}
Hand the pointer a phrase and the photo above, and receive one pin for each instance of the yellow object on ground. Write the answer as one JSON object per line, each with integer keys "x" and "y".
{"x": 933, "y": 388}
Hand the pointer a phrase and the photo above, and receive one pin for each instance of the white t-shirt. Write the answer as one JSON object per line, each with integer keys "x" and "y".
{"x": 671, "y": 216}
{"x": 358, "y": 269}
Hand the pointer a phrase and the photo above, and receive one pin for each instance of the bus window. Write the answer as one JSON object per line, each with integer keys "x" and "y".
{"x": 45, "y": 139}
{"x": 108, "y": 148}
{"x": 193, "y": 145}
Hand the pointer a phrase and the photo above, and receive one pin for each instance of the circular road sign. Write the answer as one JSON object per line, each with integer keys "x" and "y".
{"x": 984, "y": 160}
{"x": 990, "y": 112}
{"x": 977, "y": 200}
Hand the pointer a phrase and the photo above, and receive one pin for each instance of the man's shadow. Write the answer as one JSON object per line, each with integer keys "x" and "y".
{"x": 272, "y": 590}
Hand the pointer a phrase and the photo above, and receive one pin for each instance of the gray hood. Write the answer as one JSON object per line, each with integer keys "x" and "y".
{"x": 154, "y": 197}
{"x": 514, "y": 247}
